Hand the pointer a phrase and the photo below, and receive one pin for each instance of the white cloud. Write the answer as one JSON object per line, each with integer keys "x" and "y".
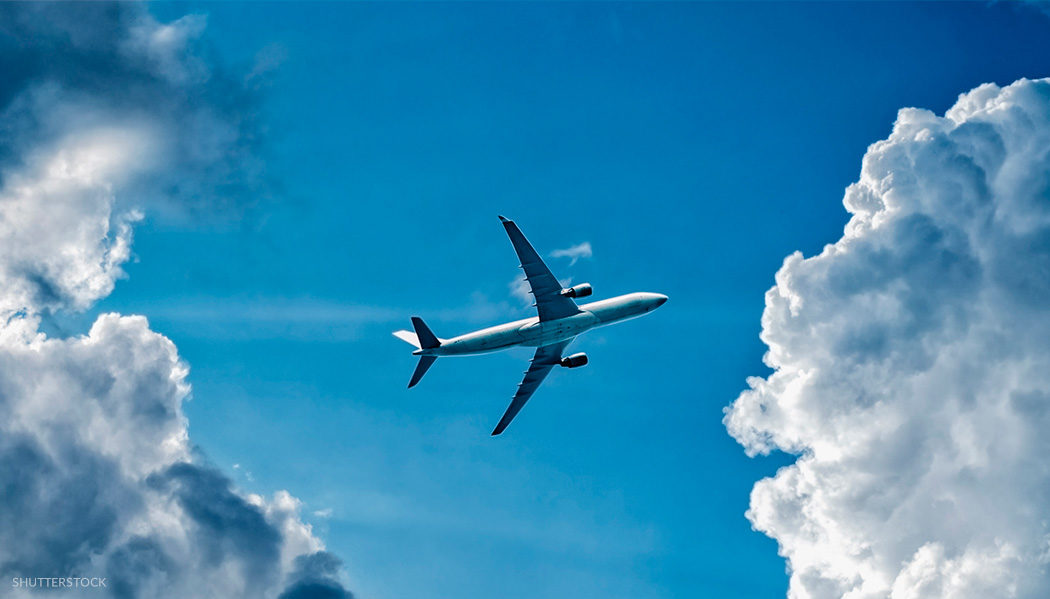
{"x": 519, "y": 289}
{"x": 912, "y": 368}
{"x": 63, "y": 245}
{"x": 580, "y": 250}
{"x": 99, "y": 476}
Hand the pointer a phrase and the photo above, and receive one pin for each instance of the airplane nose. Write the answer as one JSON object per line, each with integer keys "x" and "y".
{"x": 647, "y": 302}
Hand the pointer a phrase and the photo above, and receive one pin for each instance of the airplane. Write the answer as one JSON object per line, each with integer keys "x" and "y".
{"x": 559, "y": 321}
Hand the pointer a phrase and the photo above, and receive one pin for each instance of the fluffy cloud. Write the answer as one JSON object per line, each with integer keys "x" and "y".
{"x": 912, "y": 368}
{"x": 102, "y": 108}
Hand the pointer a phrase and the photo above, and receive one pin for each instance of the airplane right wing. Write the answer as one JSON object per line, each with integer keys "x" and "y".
{"x": 550, "y": 303}
{"x": 546, "y": 357}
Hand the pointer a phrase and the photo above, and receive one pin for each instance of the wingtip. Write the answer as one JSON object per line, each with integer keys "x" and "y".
{"x": 503, "y": 219}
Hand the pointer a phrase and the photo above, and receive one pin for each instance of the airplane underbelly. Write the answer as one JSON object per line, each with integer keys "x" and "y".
{"x": 481, "y": 343}
{"x": 552, "y": 331}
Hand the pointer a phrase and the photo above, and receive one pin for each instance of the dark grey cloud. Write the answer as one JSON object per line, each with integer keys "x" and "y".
{"x": 316, "y": 577}
{"x": 58, "y": 511}
{"x": 73, "y": 65}
{"x": 137, "y": 564}
{"x": 225, "y": 523}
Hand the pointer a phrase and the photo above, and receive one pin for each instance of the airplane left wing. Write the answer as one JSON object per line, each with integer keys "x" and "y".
{"x": 546, "y": 357}
{"x": 543, "y": 285}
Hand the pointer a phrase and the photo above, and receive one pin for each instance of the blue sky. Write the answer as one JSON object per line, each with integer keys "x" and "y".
{"x": 692, "y": 145}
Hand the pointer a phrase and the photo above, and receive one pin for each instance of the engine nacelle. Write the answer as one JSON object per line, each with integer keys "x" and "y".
{"x": 575, "y": 360}
{"x": 581, "y": 290}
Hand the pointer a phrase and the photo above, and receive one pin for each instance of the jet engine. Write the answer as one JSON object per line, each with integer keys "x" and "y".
{"x": 581, "y": 290}
{"x": 574, "y": 361}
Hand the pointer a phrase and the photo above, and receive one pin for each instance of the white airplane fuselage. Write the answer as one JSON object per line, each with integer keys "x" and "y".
{"x": 531, "y": 332}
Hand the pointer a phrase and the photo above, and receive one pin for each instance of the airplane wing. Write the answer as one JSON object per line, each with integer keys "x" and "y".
{"x": 550, "y": 303}
{"x": 546, "y": 357}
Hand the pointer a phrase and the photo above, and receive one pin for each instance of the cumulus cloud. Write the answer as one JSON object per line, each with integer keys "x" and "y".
{"x": 912, "y": 369}
{"x": 580, "y": 250}
{"x": 102, "y": 108}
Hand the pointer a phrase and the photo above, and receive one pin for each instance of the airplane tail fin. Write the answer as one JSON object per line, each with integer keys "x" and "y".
{"x": 427, "y": 339}
{"x": 425, "y": 362}
{"x": 423, "y": 338}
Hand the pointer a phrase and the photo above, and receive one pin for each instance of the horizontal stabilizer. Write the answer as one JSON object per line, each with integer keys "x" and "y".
{"x": 425, "y": 362}
{"x": 408, "y": 337}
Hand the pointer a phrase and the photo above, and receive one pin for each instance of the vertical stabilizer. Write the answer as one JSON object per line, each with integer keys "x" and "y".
{"x": 427, "y": 339}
